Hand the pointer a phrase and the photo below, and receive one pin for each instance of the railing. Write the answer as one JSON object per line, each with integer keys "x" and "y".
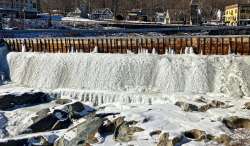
{"x": 208, "y": 45}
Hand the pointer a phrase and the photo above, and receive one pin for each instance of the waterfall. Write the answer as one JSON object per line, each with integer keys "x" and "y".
{"x": 140, "y": 73}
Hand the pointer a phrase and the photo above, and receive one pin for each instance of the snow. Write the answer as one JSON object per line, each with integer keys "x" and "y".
{"x": 77, "y": 19}
{"x": 169, "y": 118}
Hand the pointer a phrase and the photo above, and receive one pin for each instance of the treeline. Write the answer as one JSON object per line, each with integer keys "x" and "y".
{"x": 176, "y": 7}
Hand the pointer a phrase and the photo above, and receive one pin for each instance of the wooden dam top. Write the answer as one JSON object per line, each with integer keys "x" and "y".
{"x": 208, "y": 45}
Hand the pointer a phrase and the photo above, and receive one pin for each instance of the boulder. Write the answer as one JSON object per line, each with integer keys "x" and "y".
{"x": 75, "y": 110}
{"x": 195, "y": 134}
{"x": 164, "y": 140}
{"x": 212, "y": 104}
{"x": 82, "y": 133}
{"x": 125, "y": 130}
{"x": 247, "y": 105}
{"x": 223, "y": 139}
{"x": 236, "y": 122}
{"x": 57, "y": 120}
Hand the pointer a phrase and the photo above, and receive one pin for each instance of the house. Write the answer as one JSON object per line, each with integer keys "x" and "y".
{"x": 237, "y": 14}
{"x": 163, "y": 18}
{"x": 101, "y": 14}
{"x": 136, "y": 15}
{"x": 19, "y": 8}
{"x": 76, "y": 13}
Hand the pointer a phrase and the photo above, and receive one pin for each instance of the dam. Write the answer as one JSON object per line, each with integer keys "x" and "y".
{"x": 198, "y": 93}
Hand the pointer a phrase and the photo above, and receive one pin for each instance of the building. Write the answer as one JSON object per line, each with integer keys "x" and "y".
{"x": 101, "y": 14}
{"x": 163, "y": 18}
{"x": 136, "y": 15}
{"x": 237, "y": 14}
{"x": 19, "y": 8}
{"x": 195, "y": 18}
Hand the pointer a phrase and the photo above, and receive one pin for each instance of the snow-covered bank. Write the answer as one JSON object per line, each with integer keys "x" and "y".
{"x": 143, "y": 73}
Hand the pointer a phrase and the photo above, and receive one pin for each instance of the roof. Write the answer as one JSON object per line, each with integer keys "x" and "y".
{"x": 102, "y": 11}
{"x": 237, "y": 5}
{"x": 194, "y": 2}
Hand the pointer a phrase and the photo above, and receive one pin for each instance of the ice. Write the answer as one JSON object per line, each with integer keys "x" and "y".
{"x": 141, "y": 73}
{"x": 95, "y": 50}
{"x": 23, "y": 48}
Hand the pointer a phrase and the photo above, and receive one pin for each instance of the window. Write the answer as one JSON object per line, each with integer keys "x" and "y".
{"x": 34, "y": 5}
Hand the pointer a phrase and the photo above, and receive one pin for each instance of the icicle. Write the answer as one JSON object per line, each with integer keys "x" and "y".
{"x": 191, "y": 50}
{"x": 129, "y": 52}
{"x": 139, "y": 51}
{"x": 172, "y": 52}
{"x": 229, "y": 50}
{"x": 166, "y": 51}
{"x": 201, "y": 52}
{"x": 169, "y": 50}
{"x": 72, "y": 50}
{"x": 95, "y": 50}
{"x": 144, "y": 51}
{"x": 23, "y": 48}
{"x": 186, "y": 50}
{"x": 154, "y": 51}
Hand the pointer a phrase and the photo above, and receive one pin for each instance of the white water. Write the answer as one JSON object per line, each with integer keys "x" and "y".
{"x": 143, "y": 73}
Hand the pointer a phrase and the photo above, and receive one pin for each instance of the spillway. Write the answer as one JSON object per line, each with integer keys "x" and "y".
{"x": 140, "y": 73}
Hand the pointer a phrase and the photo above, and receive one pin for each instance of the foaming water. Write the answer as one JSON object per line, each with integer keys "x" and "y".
{"x": 141, "y": 73}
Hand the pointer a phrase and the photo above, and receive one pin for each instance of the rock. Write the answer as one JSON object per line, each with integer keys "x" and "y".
{"x": 63, "y": 101}
{"x": 195, "y": 134}
{"x": 10, "y": 101}
{"x": 217, "y": 104}
{"x": 212, "y": 104}
{"x": 156, "y": 132}
{"x": 75, "y": 110}
{"x": 223, "y": 139}
{"x": 247, "y": 105}
{"x": 164, "y": 140}
{"x": 40, "y": 115}
{"x": 186, "y": 106}
{"x": 82, "y": 133}
{"x": 119, "y": 121}
{"x": 63, "y": 120}
{"x": 54, "y": 121}
{"x": 39, "y": 141}
{"x": 30, "y": 140}
{"x": 107, "y": 128}
{"x": 14, "y": 142}
{"x": 124, "y": 131}
{"x": 204, "y": 108}
{"x": 236, "y": 122}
